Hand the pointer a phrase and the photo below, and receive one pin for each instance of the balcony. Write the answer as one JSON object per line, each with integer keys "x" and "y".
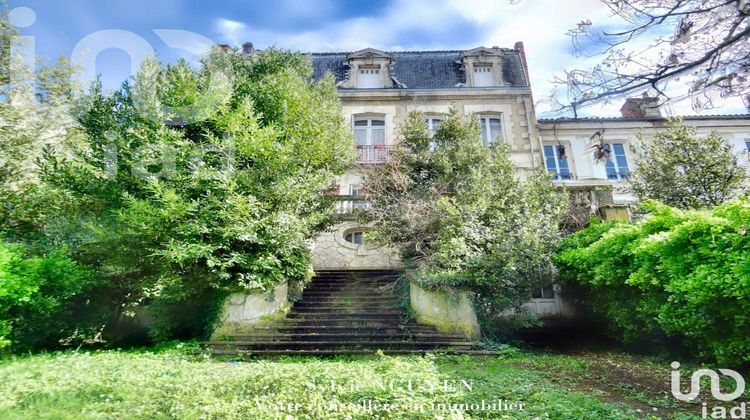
{"x": 349, "y": 204}
{"x": 565, "y": 175}
{"x": 373, "y": 154}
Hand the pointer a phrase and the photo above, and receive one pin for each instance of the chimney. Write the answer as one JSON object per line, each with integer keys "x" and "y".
{"x": 643, "y": 107}
{"x": 224, "y": 47}
{"x": 247, "y": 48}
{"x": 522, "y": 52}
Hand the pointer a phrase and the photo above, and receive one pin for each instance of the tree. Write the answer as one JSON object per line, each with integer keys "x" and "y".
{"x": 193, "y": 183}
{"x": 684, "y": 170}
{"x": 35, "y": 107}
{"x": 462, "y": 217}
{"x": 702, "y": 43}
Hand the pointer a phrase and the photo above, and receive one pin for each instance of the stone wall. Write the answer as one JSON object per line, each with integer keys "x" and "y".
{"x": 244, "y": 310}
{"x": 448, "y": 313}
{"x": 330, "y": 251}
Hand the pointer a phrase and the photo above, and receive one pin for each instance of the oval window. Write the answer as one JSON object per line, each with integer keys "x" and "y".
{"x": 355, "y": 237}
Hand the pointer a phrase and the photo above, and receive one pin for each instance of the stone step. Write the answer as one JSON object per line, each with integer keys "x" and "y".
{"x": 373, "y": 279}
{"x": 359, "y": 291}
{"x": 342, "y": 329}
{"x": 351, "y": 296}
{"x": 322, "y": 345}
{"x": 285, "y": 337}
{"x": 345, "y": 312}
{"x": 330, "y": 296}
{"x": 329, "y": 319}
{"x": 345, "y": 308}
{"x": 335, "y": 316}
{"x": 348, "y": 284}
{"x": 335, "y": 352}
{"x": 357, "y": 274}
{"x": 348, "y": 280}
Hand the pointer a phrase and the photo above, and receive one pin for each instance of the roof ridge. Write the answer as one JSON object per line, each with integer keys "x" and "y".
{"x": 594, "y": 118}
{"x": 402, "y": 51}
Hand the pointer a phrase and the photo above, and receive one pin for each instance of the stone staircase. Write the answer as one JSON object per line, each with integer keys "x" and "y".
{"x": 345, "y": 312}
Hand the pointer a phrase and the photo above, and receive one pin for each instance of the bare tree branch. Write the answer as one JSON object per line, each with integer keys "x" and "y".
{"x": 707, "y": 50}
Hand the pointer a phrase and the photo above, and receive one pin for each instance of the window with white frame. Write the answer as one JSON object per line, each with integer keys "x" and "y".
{"x": 368, "y": 77}
{"x": 369, "y": 132}
{"x": 492, "y": 128}
{"x": 355, "y": 237}
{"x": 432, "y": 124}
{"x": 482, "y": 75}
{"x": 617, "y": 164}
{"x": 747, "y": 145}
{"x": 556, "y": 163}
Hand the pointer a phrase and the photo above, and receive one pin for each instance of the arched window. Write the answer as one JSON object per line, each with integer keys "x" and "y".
{"x": 369, "y": 131}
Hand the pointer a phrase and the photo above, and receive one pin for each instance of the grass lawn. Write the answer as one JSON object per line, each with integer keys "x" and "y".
{"x": 182, "y": 382}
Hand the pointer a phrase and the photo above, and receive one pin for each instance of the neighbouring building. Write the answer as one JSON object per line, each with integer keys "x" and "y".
{"x": 569, "y": 153}
{"x": 378, "y": 89}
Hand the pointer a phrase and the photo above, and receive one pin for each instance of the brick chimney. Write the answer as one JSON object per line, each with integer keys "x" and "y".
{"x": 522, "y": 52}
{"x": 643, "y": 107}
{"x": 247, "y": 48}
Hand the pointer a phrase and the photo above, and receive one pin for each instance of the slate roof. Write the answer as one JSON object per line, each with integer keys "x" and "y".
{"x": 663, "y": 118}
{"x": 422, "y": 69}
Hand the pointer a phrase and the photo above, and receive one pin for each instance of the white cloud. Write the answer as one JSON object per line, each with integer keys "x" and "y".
{"x": 540, "y": 24}
{"x": 230, "y": 29}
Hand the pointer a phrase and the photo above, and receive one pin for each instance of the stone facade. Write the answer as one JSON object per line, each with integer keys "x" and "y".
{"x": 331, "y": 251}
{"x": 381, "y": 88}
{"x": 430, "y": 82}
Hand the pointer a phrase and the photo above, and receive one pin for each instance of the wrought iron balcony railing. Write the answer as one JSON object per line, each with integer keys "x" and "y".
{"x": 373, "y": 154}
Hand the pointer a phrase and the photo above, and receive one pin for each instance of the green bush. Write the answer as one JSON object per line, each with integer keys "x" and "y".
{"x": 677, "y": 276}
{"x": 44, "y": 300}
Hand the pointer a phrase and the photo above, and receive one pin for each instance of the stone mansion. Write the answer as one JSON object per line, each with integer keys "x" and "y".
{"x": 350, "y": 305}
{"x": 378, "y": 89}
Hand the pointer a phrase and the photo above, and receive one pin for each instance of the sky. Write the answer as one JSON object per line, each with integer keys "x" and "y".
{"x": 175, "y": 29}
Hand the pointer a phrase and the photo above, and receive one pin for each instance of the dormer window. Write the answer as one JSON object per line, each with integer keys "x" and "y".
{"x": 368, "y": 77}
{"x": 483, "y": 75}
{"x": 483, "y": 67}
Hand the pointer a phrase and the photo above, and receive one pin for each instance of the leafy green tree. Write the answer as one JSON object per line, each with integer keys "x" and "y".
{"x": 675, "y": 277}
{"x": 195, "y": 182}
{"x": 684, "y": 170}
{"x": 462, "y": 215}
